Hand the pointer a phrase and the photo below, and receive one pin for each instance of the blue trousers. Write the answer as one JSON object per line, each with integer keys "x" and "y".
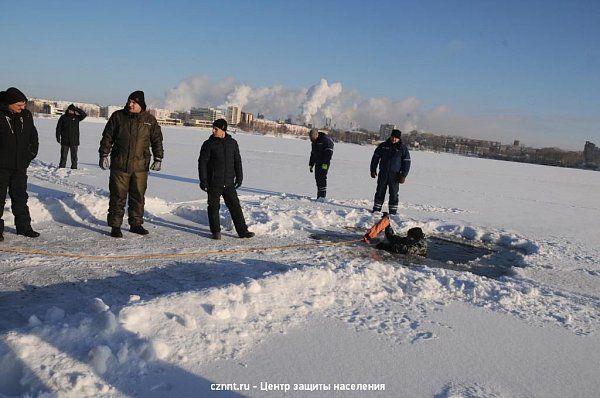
{"x": 321, "y": 179}
{"x": 382, "y": 187}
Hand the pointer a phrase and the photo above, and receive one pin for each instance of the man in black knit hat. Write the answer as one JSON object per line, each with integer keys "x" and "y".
{"x": 127, "y": 139}
{"x": 220, "y": 172}
{"x": 18, "y": 147}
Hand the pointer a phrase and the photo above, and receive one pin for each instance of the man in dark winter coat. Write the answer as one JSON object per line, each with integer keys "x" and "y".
{"x": 18, "y": 147}
{"x": 67, "y": 134}
{"x": 220, "y": 172}
{"x": 127, "y": 138}
{"x": 320, "y": 156}
{"x": 414, "y": 243}
{"x": 393, "y": 159}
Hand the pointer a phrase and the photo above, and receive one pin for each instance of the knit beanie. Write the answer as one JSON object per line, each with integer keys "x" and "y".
{"x": 12, "y": 95}
{"x": 396, "y": 133}
{"x": 137, "y": 97}
{"x": 415, "y": 233}
{"x": 220, "y": 124}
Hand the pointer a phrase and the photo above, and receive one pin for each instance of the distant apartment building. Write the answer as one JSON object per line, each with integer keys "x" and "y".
{"x": 160, "y": 113}
{"x": 163, "y": 117}
{"x": 92, "y": 110}
{"x": 107, "y": 111}
{"x": 210, "y": 114}
{"x": 296, "y": 129}
{"x": 233, "y": 115}
{"x": 35, "y": 105}
{"x": 246, "y": 118}
{"x": 51, "y": 109}
{"x": 591, "y": 155}
{"x": 357, "y": 137}
{"x": 199, "y": 123}
{"x": 385, "y": 130}
{"x": 57, "y": 108}
{"x": 168, "y": 121}
{"x": 265, "y": 125}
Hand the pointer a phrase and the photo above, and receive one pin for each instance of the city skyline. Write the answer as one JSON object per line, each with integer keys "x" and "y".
{"x": 515, "y": 70}
{"x": 204, "y": 117}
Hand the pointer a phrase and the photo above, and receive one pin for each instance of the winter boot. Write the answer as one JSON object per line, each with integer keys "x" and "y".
{"x": 28, "y": 232}
{"x": 138, "y": 229}
{"x": 115, "y": 232}
{"x": 1, "y": 237}
{"x": 246, "y": 234}
{"x": 216, "y": 235}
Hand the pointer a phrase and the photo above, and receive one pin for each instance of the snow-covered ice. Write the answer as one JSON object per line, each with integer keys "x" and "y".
{"x": 306, "y": 313}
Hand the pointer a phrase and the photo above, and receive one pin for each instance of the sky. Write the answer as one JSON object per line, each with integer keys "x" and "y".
{"x": 527, "y": 70}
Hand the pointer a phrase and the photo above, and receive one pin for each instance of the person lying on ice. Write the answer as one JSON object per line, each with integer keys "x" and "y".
{"x": 414, "y": 243}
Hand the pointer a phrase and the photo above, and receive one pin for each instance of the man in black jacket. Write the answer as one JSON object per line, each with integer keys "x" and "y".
{"x": 67, "y": 134}
{"x": 393, "y": 159}
{"x": 220, "y": 172}
{"x": 127, "y": 138}
{"x": 18, "y": 147}
{"x": 320, "y": 156}
{"x": 414, "y": 243}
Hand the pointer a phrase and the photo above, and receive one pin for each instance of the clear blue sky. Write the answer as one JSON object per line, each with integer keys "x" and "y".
{"x": 538, "y": 58}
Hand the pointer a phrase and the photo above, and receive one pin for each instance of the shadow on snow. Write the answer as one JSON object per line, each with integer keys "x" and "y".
{"x": 178, "y": 277}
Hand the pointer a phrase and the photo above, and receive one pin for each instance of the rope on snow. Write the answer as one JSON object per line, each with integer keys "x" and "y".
{"x": 150, "y": 256}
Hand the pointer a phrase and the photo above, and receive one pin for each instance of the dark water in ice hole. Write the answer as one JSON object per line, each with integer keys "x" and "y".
{"x": 452, "y": 254}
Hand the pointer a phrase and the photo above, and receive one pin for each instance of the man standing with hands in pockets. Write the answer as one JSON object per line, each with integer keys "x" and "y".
{"x": 220, "y": 172}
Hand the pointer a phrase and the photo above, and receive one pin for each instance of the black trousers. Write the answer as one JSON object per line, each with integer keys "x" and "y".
{"x": 64, "y": 151}
{"x": 122, "y": 186}
{"x": 15, "y": 182}
{"x": 321, "y": 179}
{"x": 232, "y": 202}
{"x": 382, "y": 186}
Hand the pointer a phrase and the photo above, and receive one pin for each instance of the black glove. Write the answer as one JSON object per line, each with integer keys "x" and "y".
{"x": 104, "y": 163}
{"x": 202, "y": 186}
{"x": 156, "y": 164}
{"x": 401, "y": 179}
{"x": 310, "y": 168}
{"x": 373, "y": 174}
{"x": 237, "y": 184}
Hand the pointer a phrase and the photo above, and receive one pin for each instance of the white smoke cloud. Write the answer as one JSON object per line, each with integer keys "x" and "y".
{"x": 238, "y": 97}
{"x": 348, "y": 109}
{"x": 199, "y": 91}
{"x": 317, "y": 96}
{"x": 275, "y": 102}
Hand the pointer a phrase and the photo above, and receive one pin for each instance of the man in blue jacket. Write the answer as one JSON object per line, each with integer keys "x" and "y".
{"x": 393, "y": 159}
{"x": 320, "y": 156}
